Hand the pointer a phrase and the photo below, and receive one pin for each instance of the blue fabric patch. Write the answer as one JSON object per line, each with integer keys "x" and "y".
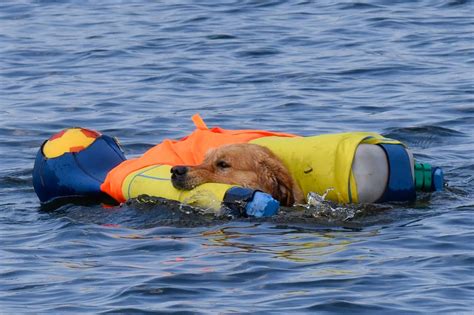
{"x": 401, "y": 186}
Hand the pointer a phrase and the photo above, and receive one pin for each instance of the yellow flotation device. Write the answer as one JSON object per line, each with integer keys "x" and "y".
{"x": 156, "y": 181}
{"x": 323, "y": 163}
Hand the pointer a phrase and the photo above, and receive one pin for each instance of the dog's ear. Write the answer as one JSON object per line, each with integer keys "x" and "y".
{"x": 284, "y": 193}
{"x": 276, "y": 179}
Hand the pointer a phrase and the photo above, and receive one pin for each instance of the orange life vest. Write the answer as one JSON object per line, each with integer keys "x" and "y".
{"x": 189, "y": 150}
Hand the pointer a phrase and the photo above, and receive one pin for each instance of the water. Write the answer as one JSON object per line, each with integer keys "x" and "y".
{"x": 138, "y": 70}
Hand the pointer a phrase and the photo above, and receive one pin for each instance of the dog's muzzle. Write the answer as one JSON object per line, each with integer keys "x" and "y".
{"x": 178, "y": 177}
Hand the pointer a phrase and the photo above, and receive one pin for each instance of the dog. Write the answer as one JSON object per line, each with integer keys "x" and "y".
{"x": 247, "y": 165}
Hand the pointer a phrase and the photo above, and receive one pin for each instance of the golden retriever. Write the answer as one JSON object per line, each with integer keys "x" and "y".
{"x": 246, "y": 165}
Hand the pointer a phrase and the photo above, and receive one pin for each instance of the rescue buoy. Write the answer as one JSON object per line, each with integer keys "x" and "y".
{"x": 350, "y": 167}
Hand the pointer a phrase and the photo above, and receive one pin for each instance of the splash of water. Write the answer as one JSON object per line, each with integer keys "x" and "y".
{"x": 322, "y": 208}
{"x": 315, "y": 199}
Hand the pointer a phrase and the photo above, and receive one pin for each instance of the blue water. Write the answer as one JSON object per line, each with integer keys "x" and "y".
{"x": 138, "y": 70}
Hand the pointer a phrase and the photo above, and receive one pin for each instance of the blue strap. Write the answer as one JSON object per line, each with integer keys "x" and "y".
{"x": 401, "y": 186}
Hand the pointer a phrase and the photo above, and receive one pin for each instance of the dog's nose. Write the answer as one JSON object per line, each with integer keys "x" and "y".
{"x": 179, "y": 170}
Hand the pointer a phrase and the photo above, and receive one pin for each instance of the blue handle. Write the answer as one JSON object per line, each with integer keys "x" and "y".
{"x": 262, "y": 205}
{"x": 248, "y": 202}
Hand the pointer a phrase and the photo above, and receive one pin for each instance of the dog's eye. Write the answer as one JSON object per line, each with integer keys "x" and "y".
{"x": 222, "y": 164}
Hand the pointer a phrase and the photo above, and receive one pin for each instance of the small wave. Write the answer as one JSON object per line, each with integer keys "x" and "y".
{"x": 258, "y": 53}
{"x": 17, "y": 179}
{"x": 100, "y": 54}
{"x": 220, "y": 37}
{"x": 424, "y": 136}
{"x": 358, "y": 6}
{"x": 456, "y": 3}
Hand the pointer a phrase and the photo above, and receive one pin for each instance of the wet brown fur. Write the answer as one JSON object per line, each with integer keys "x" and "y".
{"x": 247, "y": 165}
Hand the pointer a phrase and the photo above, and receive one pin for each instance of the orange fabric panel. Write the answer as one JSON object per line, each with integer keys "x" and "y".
{"x": 189, "y": 150}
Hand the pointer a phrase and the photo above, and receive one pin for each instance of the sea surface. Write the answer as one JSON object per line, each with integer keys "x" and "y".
{"x": 138, "y": 70}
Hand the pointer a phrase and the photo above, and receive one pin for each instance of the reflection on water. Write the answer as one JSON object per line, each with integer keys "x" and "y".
{"x": 298, "y": 247}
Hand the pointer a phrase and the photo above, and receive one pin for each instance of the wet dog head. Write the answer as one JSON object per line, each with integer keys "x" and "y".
{"x": 246, "y": 165}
